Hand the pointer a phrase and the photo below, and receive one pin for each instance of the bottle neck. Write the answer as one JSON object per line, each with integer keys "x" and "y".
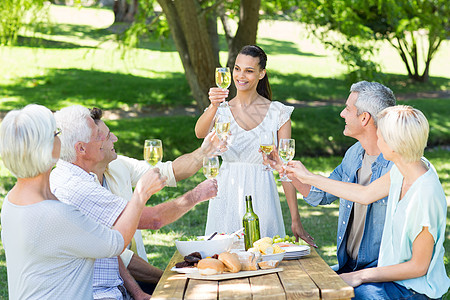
{"x": 249, "y": 204}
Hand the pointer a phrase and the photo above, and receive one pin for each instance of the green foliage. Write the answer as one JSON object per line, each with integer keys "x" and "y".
{"x": 17, "y": 15}
{"x": 148, "y": 24}
{"x": 414, "y": 28}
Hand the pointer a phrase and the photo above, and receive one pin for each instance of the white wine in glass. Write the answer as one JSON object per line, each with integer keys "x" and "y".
{"x": 211, "y": 167}
{"x": 286, "y": 151}
{"x": 287, "y": 155}
{"x": 267, "y": 144}
{"x": 223, "y": 77}
{"x": 222, "y": 125}
{"x": 267, "y": 149}
{"x": 223, "y": 80}
{"x": 153, "y": 152}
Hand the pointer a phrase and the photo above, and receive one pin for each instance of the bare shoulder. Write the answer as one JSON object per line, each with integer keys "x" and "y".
{"x": 263, "y": 101}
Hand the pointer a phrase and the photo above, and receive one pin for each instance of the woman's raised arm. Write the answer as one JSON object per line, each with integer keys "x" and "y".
{"x": 377, "y": 190}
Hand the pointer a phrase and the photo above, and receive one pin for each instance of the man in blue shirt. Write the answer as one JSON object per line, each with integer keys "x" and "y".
{"x": 360, "y": 226}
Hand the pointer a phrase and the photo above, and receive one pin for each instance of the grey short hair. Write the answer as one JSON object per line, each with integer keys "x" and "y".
{"x": 373, "y": 97}
{"x": 26, "y": 141}
{"x": 405, "y": 130}
{"x": 74, "y": 128}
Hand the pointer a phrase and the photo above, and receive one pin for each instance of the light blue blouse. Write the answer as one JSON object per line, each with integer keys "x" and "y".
{"x": 424, "y": 204}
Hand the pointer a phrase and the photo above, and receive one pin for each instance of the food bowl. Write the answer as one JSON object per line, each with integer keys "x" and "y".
{"x": 275, "y": 256}
{"x": 219, "y": 244}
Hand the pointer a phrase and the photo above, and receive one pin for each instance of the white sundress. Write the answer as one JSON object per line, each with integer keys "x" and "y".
{"x": 242, "y": 174}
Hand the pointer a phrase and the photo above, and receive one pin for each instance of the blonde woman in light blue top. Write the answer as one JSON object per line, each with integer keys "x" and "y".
{"x": 411, "y": 261}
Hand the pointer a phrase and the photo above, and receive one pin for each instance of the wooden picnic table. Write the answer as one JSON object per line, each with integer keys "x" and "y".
{"x": 308, "y": 277}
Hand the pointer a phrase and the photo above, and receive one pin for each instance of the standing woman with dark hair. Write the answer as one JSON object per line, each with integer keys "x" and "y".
{"x": 252, "y": 112}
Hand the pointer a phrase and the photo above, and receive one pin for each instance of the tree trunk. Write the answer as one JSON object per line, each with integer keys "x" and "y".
{"x": 132, "y": 11}
{"x": 125, "y": 12}
{"x": 245, "y": 34}
{"x": 196, "y": 40}
{"x": 190, "y": 33}
{"x": 247, "y": 28}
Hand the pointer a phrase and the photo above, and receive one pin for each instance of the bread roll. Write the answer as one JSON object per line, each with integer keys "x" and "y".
{"x": 210, "y": 266}
{"x": 231, "y": 261}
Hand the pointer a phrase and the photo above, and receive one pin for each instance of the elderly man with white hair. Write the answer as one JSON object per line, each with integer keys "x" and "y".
{"x": 119, "y": 174}
{"x": 50, "y": 246}
{"x": 84, "y": 147}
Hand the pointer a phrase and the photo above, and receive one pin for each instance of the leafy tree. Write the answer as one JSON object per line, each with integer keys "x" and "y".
{"x": 16, "y": 15}
{"x": 193, "y": 26}
{"x": 415, "y": 28}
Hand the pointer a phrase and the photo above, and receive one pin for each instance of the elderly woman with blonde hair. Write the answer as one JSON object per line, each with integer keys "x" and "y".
{"x": 50, "y": 246}
{"x": 411, "y": 261}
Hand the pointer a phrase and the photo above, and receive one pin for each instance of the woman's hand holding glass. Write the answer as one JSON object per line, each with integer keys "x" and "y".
{"x": 272, "y": 160}
{"x": 217, "y": 96}
{"x": 267, "y": 145}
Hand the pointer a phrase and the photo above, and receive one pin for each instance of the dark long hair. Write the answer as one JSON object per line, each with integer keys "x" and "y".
{"x": 263, "y": 87}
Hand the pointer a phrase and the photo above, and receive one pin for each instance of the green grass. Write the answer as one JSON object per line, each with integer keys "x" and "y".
{"x": 76, "y": 61}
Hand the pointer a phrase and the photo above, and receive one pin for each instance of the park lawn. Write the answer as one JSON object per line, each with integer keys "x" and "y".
{"x": 77, "y": 62}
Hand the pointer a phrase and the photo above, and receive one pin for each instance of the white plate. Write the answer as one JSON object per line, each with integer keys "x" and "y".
{"x": 275, "y": 256}
{"x": 294, "y": 251}
{"x": 184, "y": 270}
{"x": 296, "y": 248}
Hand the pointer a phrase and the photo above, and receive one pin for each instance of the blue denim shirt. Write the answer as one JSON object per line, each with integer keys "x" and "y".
{"x": 376, "y": 212}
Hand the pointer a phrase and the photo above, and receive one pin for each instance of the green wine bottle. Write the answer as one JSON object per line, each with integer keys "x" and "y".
{"x": 251, "y": 224}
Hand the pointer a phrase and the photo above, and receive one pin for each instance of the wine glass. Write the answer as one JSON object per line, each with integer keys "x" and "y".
{"x": 223, "y": 80}
{"x": 153, "y": 151}
{"x": 266, "y": 144}
{"x": 222, "y": 125}
{"x": 286, "y": 151}
{"x": 210, "y": 167}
